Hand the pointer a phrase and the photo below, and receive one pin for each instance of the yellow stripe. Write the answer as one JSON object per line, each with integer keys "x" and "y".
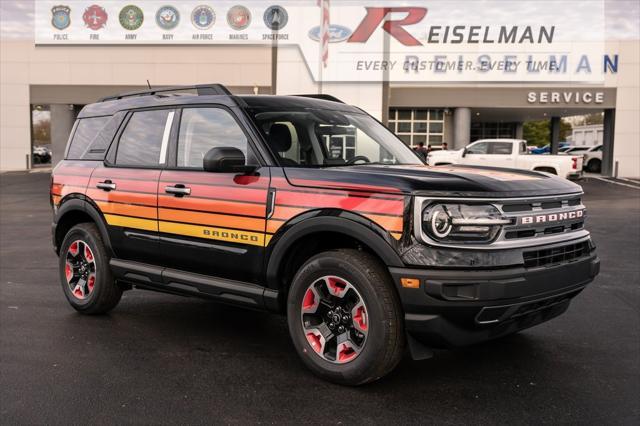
{"x": 221, "y": 234}
{"x": 396, "y": 235}
{"x": 132, "y": 222}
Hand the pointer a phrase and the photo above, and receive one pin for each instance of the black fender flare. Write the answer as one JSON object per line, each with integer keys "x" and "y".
{"x": 84, "y": 205}
{"x": 356, "y": 227}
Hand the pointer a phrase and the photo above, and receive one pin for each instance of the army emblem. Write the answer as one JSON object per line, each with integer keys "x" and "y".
{"x": 60, "y": 17}
{"x": 203, "y": 17}
{"x": 167, "y": 17}
{"x": 131, "y": 17}
{"x": 276, "y": 17}
{"x": 95, "y": 17}
{"x": 239, "y": 17}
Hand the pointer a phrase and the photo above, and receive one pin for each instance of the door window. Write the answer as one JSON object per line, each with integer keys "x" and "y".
{"x": 204, "y": 128}
{"x": 500, "y": 148}
{"x": 478, "y": 148}
{"x": 144, "y": 139}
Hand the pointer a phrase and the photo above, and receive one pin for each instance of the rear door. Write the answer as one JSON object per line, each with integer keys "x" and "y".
{"x": 125, "y": 188}
{"x": 212, "y": 223}
{"x": 500, "y": 154}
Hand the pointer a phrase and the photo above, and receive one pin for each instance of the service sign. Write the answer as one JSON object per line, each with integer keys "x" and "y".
{"x": 497, "y": 41}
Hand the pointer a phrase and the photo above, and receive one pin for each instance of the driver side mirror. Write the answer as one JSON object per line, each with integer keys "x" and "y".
{"x": 226, "y": 160}
{"x": 464, "y": 152}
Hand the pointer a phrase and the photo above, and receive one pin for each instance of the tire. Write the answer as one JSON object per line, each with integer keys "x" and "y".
{"x": 594, "y": 166}
{"x": 96, "y": 295}
{"x": 382, "y": 319}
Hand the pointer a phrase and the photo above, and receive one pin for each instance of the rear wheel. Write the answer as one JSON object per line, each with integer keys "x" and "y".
{"x": 345, "y": 318}
{"x": 85, "y": 275}
{"x": 594, "y": 166}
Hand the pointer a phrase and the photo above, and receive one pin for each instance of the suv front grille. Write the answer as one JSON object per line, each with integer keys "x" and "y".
{"x": 556, "y": 255}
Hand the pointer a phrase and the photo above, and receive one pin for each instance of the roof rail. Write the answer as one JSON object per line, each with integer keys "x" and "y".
{"x": 201, "y": 90}
{"x": 321, "y": 96}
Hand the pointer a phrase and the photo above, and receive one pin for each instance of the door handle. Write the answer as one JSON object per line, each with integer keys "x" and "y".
{"x": 107, "y": 185}
{"x": 179, "y": 190}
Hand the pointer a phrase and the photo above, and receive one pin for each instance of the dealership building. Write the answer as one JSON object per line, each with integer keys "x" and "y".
{"x": 63, "y": 78}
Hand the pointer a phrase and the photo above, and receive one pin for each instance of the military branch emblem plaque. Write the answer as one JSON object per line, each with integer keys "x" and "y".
{"x": 167, "y": 17}
{"x": 60, "y": 17}
{"x": 131, "y": 17}
{"x": 203, "y": 17}
{"x": 239, "y": 18}
{"x": 95, "y": 17}
{"x": 276, "y": 18}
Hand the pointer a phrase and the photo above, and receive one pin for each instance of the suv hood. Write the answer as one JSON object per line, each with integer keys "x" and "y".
{"x": 456, "y": 181}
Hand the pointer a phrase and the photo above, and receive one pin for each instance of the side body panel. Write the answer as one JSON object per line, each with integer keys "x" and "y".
{"x": 219, "y": 228}
{"x": 130, "y": 210}
{"x": 70, "y": 179}
{"x": 383, "y": 206}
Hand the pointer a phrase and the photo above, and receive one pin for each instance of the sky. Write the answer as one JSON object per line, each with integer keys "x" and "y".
{"x": 622, "y": 17}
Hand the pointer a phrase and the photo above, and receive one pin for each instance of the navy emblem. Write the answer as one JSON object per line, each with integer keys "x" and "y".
{"x": 203, "y": 17}
{"x": 131, "y": 17}
{"x": 60, "y": 17}
{"x": 167, "y": 17}
{"x": 239, "y": 17}
{"x": 276, "y": 18}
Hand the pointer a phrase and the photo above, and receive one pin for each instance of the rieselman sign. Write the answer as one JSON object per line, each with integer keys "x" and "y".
{"x": 415, "y": 41}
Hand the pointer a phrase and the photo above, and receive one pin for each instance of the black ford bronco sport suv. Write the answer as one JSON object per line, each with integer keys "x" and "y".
{"x": 308, "y": 207}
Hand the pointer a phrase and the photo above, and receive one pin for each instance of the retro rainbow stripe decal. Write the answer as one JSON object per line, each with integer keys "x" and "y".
{"x": 224, "y": 207}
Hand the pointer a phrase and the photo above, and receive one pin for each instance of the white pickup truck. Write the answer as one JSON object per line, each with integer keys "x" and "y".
{"x": 509, "y": 153}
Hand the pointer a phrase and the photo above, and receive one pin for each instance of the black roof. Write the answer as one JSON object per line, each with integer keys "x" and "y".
{"x": 110, "y": 107}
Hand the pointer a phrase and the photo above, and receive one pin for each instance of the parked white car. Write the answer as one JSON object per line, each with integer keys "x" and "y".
{"x": 592, "y": 156}
{"x": 510, "y": 153}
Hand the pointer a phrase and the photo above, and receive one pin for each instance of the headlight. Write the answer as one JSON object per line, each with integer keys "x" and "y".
{"x": 460, "y": 223}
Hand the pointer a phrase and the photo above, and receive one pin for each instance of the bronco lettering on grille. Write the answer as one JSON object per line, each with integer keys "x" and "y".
{"x": 552, "y": 217}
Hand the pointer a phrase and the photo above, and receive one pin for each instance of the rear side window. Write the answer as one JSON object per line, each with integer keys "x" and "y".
{"x": 86, "y": 145}
{"x": 500, "y": 148}
{"x": 141, "y": 142}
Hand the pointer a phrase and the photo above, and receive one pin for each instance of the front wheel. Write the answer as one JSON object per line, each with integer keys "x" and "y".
{"x": 85, "y": 274}
{"x": 345, "y": 318}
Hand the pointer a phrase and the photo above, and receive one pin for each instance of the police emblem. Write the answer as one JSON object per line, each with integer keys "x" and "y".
{"x": 276, "y": 18}
{"x": 95, "y": 17}
{"x": 167, "y": 17}
{"x": 60, "y": 17}
{"x": 239, "y": 17}
{"x": 131, "y": 17}
{"x": 203, "y": 17}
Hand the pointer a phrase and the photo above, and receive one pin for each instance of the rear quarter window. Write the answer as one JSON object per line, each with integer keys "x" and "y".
{"x": 92, "y": 137}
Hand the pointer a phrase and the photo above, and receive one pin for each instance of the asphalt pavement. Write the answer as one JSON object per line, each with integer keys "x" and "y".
{"x": 160, "y": 359}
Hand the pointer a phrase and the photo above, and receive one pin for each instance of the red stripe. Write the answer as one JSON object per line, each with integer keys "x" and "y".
{"x": 339, "y": 202}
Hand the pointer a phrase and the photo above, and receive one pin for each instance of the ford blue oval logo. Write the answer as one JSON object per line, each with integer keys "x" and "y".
{"x": 337, "y": 33}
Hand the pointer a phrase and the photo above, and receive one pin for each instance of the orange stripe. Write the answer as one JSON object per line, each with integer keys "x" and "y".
{"x": 389, "y": 223}
{"x": 123, "y": 197}
{"x": 273, "y": 226}
{"x": 128, "y": 210}
{"x": 287, "y": 212}
{"x": 211, "y": 219}
{"x": 214, "y": 206}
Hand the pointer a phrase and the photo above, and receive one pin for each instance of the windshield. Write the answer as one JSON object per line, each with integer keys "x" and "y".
{"x": 322, "y": 138}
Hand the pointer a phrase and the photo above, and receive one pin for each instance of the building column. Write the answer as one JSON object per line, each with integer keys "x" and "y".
{"x": 608, "y": 131}
{"x": 62, "y": 118}
{"x": 520, "y": 130}
{"x": 461, "y": 127}
{"x": 555, "y": 134}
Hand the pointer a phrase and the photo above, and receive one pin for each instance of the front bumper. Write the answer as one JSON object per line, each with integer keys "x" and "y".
{"x": 457, "y": 307}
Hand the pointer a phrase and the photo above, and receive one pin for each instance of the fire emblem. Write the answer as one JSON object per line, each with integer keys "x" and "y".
{"x": 95, "y": 17}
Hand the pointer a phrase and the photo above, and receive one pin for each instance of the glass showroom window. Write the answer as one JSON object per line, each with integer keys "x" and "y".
{"x": 418, "y": 125}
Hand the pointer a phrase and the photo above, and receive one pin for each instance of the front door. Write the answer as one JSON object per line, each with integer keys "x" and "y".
{"x": 212, "y": 223}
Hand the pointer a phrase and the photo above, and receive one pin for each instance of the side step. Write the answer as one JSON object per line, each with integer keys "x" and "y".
{"x": 186, "y": 283}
